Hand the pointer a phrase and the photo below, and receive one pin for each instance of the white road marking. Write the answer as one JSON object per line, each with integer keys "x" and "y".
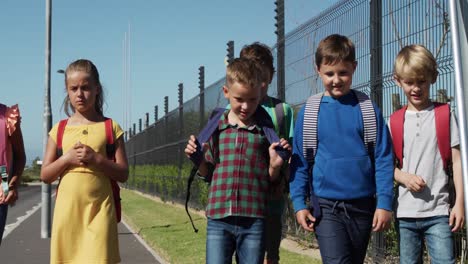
{"x": 9, "y": 228}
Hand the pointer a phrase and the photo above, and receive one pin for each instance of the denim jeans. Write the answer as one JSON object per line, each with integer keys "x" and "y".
{"x": 435, "y": 230}
{"x": 244, "y": 235}
{"x": 343, "y": 232}
{"x": 3, "y": 216}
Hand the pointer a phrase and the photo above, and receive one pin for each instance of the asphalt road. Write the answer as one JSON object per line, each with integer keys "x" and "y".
{"x": 22, "y": 241}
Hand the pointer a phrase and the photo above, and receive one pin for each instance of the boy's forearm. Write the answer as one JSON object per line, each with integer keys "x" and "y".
{"x": 457, "y": 176}
{"x": 203, "y": 168}
{"x": 274, "y": 172}
{"x": 400, "y": 176}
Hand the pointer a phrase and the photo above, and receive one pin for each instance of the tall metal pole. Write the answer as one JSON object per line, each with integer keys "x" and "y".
{"x": 280, "y": 58}
{"x": 459, "y": 24}
{"x": 375, "y": 42}
{"x": 47, "y": 125}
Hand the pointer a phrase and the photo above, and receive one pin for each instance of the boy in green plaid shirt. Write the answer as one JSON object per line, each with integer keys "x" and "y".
{"x": 242, "y": 164}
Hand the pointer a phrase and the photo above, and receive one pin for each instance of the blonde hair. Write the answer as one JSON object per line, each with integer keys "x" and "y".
{"x": 88, "y": 67}
{"x": 245, "y": 72}
{"x": 415, "y": 62}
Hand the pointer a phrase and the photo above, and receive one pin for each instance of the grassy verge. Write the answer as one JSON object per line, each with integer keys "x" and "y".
{"x": 166, "y": 228}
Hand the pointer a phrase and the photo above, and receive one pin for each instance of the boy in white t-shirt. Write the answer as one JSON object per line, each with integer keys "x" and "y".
{"x": 423, "y": 210}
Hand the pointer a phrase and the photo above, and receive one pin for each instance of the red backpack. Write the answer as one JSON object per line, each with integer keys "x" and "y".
{"x": 442, "y": 123}
{"x": 110, "y": 151}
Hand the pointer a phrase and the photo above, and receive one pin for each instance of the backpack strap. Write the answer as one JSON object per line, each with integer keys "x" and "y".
{"x": 310, "y": 143}
{"x": 261, "y": 117}
{"x": 442, "y": 121}
{"x": 197, "y": 157}
{"x": 110, "y": 152}
{"x": 369, "y": 121}
{"x": 397, "y": 121}
{"x": 205, "y": 135}
{"x": 310, "y": 133}
{"x": 110, "y": 144}
{"x": 3, "y": 137}
{"x": 60, "y": 132}
{"x": 278, "y": 116}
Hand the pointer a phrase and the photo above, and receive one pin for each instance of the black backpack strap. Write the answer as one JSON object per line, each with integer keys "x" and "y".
{"x": 264, "y": 121}
{"x": 187, "y": 197}
{"x": 197, "y": 157}
{"x": 279, "y": 112}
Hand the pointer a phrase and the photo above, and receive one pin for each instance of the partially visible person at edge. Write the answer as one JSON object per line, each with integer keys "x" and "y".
{"x": 242, "y": 164}
{"x": 423, "y": 211}
{"x": 12, "y": 160}
{"x": 84, "y": 225}
{"x": 284, "y": 127}
{"x": 354, "y": 190}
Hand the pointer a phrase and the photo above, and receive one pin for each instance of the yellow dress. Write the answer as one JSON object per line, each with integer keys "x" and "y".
{"x": 84, "y": 228}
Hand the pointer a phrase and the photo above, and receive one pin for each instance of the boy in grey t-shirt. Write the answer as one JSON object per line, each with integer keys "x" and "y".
{"x": 423, "y": 194}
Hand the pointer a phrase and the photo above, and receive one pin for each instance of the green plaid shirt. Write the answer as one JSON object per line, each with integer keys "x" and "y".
{"x": 240, "y": 178}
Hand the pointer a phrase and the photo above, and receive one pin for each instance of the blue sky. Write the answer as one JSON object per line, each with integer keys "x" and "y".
{"x": 169, "y": 40}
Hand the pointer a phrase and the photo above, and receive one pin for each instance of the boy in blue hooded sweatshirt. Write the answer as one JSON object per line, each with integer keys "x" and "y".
{"x": 349, "y": 179}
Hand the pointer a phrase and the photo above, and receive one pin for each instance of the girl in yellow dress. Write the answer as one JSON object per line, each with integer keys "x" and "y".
{"x": 84, "y": 225}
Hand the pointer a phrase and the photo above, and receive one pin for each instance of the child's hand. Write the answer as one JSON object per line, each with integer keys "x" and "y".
{"x": 2, "y": 197}
{"x": 85, "y": 154}
{"x": 72, "y": 156}
{"x": 192, "y": 146}
{"x": 275, "y": 160}
{"x": 414, "y": 183}
{"x": 457, "y": 217}
{"x": 306, "y": 220}
{"x": 12, "y": 197}
{"x": 381, "y": 220}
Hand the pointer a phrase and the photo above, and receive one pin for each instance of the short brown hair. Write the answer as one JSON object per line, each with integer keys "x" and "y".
{"x": 415, "y": 62}
{"x": 243, "y": 71}
{"x": 261, "y": 54}
{"x": 333, "y": 49}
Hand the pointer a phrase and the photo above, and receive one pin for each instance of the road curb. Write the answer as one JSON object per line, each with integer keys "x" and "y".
{"x": 143, "y": 242}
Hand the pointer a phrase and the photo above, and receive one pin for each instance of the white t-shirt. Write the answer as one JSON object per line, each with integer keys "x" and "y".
{"x": 421, "y": 156}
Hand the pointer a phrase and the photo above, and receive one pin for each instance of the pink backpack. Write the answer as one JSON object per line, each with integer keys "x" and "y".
{"x": 4, "y": 166}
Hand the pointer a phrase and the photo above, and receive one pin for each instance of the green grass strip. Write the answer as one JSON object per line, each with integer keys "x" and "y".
{"x": 166, "y": 228}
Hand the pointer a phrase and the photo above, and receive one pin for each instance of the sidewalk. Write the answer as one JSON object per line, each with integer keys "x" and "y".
{"x": 24, "y": 245}
{"x": 286, "y": 243}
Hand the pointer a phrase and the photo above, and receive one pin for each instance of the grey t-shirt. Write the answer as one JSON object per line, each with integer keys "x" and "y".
{"x": 421, "y": 157}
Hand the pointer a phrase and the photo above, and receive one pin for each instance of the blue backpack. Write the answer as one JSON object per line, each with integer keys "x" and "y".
{"x": 263, "y": 120}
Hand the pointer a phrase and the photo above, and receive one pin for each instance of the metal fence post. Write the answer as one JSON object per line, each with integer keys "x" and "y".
{"x": 280, "y": 61}
{"x": 166, "y": 129}
{"x": 378, "y": 239}
{"x": 201, "y": 86}
{"x": 376, "y": 52}
{"x": 181, "y": 126}
{"x": 155, "y": 113}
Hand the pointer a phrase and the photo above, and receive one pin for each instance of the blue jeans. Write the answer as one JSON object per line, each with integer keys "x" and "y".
{"x": 3, "y": 216}
{"x": 235, "y": 233}
{"x": 435, "y": 230}
{"x": 343, "y": 232}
